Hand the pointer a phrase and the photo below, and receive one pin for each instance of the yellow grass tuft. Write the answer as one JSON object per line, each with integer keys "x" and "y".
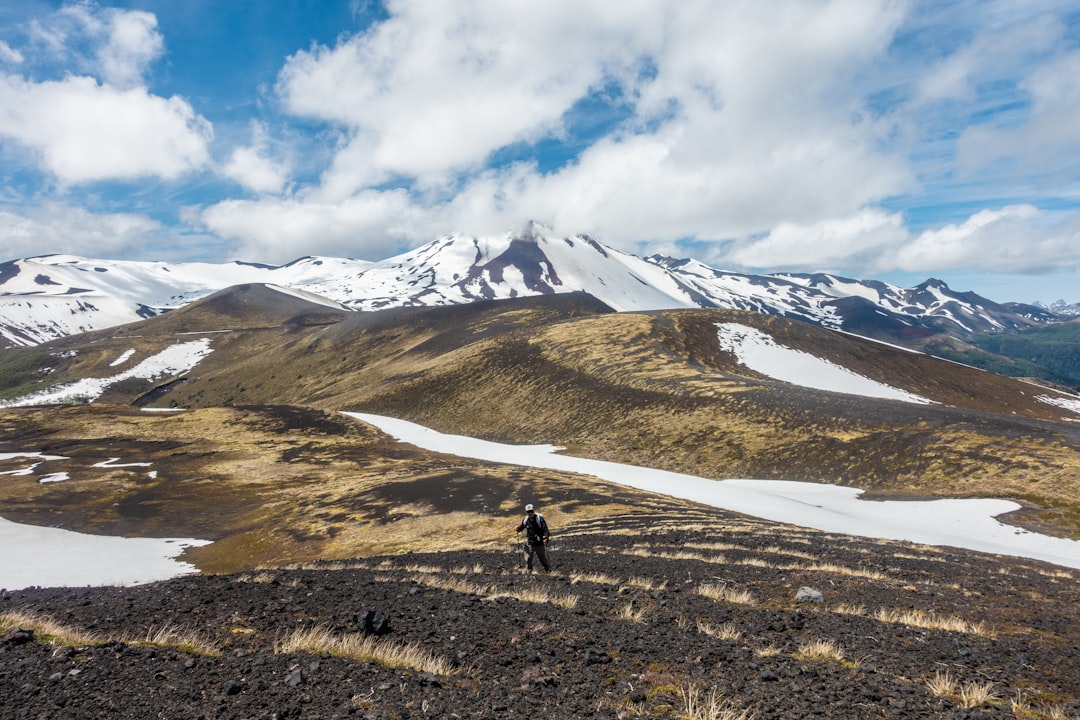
{"x": 363, "y": 648}
{"x": 595, "y": 578}
{"x": 646, "y": 583}
{"x": 454, "y": 584}
{"x": 932, "y": 621}
{"x": 46, "y": 628}
{"x": 820, "y": 649}
{"x": 725, "y": 593}
{"x": 537, "y": 595}
{"x": 629, "y": 612}
{"x": 847, "y": 609}
{"x": 727, "y": 631}
{"x": 974, "y": 694}
{"x": 943, "y": 684}
{"x": 700, "y": 705}
{"x": 262, "y": 577}
{"x": 175, "y": 636}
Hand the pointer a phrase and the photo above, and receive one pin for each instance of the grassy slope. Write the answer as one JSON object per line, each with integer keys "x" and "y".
{"x": 647, "y": 388}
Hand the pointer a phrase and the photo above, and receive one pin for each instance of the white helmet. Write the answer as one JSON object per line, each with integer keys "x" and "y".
{"x": 528, "y": 507}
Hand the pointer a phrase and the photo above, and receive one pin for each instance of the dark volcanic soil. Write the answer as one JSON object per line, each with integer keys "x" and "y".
{"x": 539, "y": 659}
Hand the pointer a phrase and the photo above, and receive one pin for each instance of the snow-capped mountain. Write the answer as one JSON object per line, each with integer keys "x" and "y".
{"x": 1060, "y": 307}
{"x": 52, "y": 296}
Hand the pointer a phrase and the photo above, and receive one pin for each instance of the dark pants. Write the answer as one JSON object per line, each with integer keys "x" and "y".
{"x": 540, "y": 551}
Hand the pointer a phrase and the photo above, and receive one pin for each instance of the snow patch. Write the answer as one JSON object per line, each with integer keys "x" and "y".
{"x": 963, "y": 523}
{"x": 1070, "y": 404}
{"x": 52, "y": 557}
{"x": 123, "y": 358}
{"x": 761, "y": 353}
{"x": 176, "y": 360}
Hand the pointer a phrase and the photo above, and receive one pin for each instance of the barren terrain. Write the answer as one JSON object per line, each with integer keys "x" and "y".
{"x": 652, "y": 613}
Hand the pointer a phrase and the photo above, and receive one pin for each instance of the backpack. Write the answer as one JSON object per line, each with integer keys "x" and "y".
{"x": 536, "y": 529}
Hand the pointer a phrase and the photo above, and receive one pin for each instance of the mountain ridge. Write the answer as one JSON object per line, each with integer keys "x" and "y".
{"x": 46, "y": 297}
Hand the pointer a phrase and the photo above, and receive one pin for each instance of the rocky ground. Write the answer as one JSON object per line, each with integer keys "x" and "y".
{"x": 642, "y": 617}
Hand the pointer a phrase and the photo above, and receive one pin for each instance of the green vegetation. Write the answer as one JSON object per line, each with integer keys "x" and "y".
{"x": 1055, "y": 349}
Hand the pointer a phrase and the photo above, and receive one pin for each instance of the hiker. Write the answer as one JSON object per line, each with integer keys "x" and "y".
{"x": 536, "y": 537}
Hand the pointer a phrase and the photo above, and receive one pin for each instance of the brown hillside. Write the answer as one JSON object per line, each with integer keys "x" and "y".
{"x": 646, "y": 388}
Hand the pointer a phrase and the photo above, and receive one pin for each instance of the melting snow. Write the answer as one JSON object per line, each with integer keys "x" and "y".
{"x": 1070, "y": 404}
{"x": 52, "y": 557}
{"x": 175, "y": 360}
{"x": 124, "y": 357}
{"x": 762, "y": 354}
{"x": 953, "y": 523}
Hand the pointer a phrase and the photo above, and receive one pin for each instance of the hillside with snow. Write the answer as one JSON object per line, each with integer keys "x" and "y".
{"x": 53, "y": 296}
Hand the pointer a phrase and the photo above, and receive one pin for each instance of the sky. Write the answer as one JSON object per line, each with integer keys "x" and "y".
{"x": 887, "y": 139}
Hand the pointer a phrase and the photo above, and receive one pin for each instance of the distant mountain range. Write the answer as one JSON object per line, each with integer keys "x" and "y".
{"x": 44, "y": 298}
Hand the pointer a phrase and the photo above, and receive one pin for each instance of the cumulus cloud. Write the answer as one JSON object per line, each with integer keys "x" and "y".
{"x": 104, "y": 124}
{"x": 85, "y": 131}
{"x": 856, "y": 240}
{"x": 369, "y": 226}
{"x": 1016, "y": 239}
{"x": 59, "y": 228}
{"x": 438, "y": 86}
{"x": 253, "y": 168}
{"x": 739, "y": 114}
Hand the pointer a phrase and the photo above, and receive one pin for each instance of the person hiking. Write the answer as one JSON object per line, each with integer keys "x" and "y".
{"x": 536, "y": 537}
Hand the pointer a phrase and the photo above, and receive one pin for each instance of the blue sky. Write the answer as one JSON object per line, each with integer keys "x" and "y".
{"x": 873, "y": 138}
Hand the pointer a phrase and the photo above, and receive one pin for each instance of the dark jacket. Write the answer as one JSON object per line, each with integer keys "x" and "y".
{"x": 536, "y": 529}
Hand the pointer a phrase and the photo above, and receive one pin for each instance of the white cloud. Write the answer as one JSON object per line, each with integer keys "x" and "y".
{"x": 85, "y": 131}
{"x": 439, "y": 86}
{"x": 10, "y": 55}
{"x": 133, "y": 43}
{"x": 102, "y": 124}
{"x": 837, "y": 242}
{"x": 370, "y": 226}
{"x": 113, "y": 44}
{"x": 57, "y": 228}
{"x": 744, "y": 113}
{"x": 253, "y": 168}
{"x": 1014, "y": 239}
{"x": 1048, "y": 141}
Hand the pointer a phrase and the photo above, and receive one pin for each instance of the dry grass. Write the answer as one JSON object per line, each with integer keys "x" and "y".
{"x": 46, "y": 628}
{"x": 262, "y": 577}
{"x": 363, "y": 648}
{"x": 841, "y": 570}
{"x": 969, "y": 695}
{"x": 943, "y": 684}
{"x": 727, "y": 631}
{"x": 820, "y": 649}
{"x": 847, "y": 609}
{"x": 675, "y": 555}
{"x": 537, "y": 595}
{"x": 453, "y": 584}
{"x": 768, "y": 651}
{"x": 725, "y": 593}
{"x": 629, "y": 612}
{"x": 595, "y": 578}
{"x": 932, "y": 621}
{"x": 175, "y": 636}
{"x": 700, "y": 705}
{"x": 974, "y": 694}
{"x": 646, "y": 583}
